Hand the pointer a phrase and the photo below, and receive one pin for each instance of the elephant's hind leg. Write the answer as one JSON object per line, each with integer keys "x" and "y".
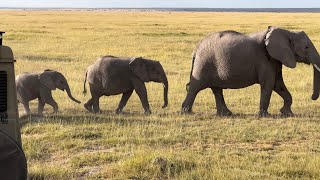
{"x": 88, "y": 105}
{"x": 222, "y": 109}
{"x": 124, "y": 99}
{"x": 188, "y": 102}
{"x": 92, "y": 104}
{"x": 95, "y": 104}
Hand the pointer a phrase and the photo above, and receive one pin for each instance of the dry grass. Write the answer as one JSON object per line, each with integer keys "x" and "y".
{"x": 75, "y": 144}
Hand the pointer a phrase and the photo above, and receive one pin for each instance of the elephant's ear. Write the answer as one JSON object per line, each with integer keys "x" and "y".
{"x": 278, "y": 46}
{"x": 47, "y": 80}
{"x": 139, "y": 67}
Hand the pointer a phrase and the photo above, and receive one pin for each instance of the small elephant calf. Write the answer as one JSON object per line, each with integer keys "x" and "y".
{"x": 111, "y": 75}
{"x": 31, "y": 86}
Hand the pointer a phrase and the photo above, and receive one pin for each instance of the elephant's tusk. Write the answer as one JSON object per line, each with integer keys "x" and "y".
{"x": 315, "y": 66}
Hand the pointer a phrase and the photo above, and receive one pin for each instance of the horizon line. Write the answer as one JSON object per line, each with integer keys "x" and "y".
{"x": 162, "y": 7}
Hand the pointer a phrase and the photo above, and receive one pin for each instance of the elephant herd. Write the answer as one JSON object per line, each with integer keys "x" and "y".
{"x": 221, "y": 60}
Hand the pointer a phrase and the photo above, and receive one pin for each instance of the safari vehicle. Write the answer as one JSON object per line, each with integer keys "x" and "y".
{"x": 13, "y": 164}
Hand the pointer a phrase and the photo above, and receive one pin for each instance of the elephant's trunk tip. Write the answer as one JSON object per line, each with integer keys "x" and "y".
{"x": 315, "y": 96}
{"x": 71, "y": 97}
{"x": 164, "y": 106}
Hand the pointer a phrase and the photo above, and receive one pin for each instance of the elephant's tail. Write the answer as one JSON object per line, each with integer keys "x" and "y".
{"x": 188, "y": 84}
{"x": 84, "y": 84}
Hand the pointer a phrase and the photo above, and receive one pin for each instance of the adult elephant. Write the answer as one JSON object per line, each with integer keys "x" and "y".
{"x": 31, "y": 86}
{"x": 231, "y": 60}
{"x": 110, "y": 75}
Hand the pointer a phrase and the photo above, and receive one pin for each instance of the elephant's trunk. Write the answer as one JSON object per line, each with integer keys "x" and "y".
{"x": 70, "y": 95}
{"x": 165, "y": 92}
{"x": 316, "y": 82}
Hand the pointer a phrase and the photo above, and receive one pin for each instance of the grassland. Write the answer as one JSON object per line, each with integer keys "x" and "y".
{"x": 75, "y": 144}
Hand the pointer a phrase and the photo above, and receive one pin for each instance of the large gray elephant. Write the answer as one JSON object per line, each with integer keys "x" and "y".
{"x": 231, "y": 60}
{"x": 111, "y": 75}
{"x": 31, "y": 86}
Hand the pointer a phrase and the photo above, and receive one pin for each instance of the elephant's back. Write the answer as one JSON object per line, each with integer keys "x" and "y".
{"x": 110, "y": 75}
{"x": 224, "y": 57}
{"x": 106, "y": 68}
{"x": 27, "y": 85}
{"x": 26, "y": 78}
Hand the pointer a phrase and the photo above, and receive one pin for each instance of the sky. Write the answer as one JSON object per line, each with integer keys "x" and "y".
{"x": 161, "y": 3}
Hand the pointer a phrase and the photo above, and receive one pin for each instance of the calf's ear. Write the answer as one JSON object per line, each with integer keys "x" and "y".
{"x": 139, "y": 68}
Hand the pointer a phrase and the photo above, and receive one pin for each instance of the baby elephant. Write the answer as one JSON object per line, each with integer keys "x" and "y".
{"x": 111, "y": 75}
{"x": 39, "y": 85}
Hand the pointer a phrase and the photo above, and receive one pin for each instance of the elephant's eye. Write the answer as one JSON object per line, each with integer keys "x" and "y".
{"x": 307, "y": 47}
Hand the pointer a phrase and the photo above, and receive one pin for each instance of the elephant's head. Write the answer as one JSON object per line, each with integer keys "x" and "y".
{"x": 150, "y": 70}
{"x": 53, "y": 79}
{"x": 291, "y": 47}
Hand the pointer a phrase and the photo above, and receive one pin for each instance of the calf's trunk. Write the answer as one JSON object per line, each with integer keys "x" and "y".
{"x": 70, "y": 95}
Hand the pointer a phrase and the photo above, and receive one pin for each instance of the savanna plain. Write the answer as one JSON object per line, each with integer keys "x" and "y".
{"x": 75, "y": 144}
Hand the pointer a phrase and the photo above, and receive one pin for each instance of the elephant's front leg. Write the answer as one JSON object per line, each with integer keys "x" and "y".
{"x": 281, "y": 89}
{"x": 54, "y": 105}
{"x": 141, "y": 90}
{"x": 26, "y": 107}
{"x": 40, "y": 106}
{"x": 46, "y": 97}
{"x": 124, "y": 99}
{"x": 266, "y": 92}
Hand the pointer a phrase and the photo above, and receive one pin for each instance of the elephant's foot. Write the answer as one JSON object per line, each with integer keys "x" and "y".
{"x": 118, "y": 111}
{"x": 88, "y": 107}
{"x": 147, "y": 112}
{"x": 286, "y": 112}
{"x": 186, "y": 110}
{"x": 264, "y": 114}
{"x": 97, "y": 111}
{"x": 224, "y": 112}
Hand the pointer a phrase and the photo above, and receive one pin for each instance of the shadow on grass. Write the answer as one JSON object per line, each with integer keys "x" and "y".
{"x": 138, "y": 118}
{"x": 313, "y": 117}
{"x": 124, "y": 119}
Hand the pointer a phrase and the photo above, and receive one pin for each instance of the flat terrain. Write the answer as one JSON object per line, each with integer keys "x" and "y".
{"x": 75, "y": 144}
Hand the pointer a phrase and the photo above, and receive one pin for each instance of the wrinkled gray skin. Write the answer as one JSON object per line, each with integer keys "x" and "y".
{"x": 111, "y": 75}
{"x": 231, "y": 60}
{"x": 32, "y": 86}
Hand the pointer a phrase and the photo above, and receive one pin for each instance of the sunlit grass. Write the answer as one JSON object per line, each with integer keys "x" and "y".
{"x": 75, "y": 144}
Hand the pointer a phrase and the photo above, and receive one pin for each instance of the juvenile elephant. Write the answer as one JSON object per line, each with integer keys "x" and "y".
{"x": 231, "y": 60}
{"x": 39, "y": 85}
{"x": 111, "y": 75}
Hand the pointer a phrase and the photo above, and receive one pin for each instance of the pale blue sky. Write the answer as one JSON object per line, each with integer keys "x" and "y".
{"x": 162, "y": 3}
